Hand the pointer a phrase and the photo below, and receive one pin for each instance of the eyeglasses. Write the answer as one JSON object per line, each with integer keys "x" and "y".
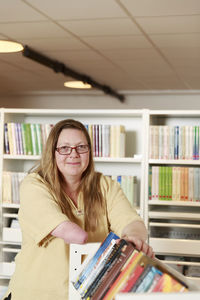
{"x": 66, "y": 150}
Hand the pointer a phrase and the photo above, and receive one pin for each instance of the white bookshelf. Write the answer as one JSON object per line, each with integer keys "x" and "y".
{"x": 132, "y": 164}
{"x": 158, "y": 215}
{"x": 174, "y": 217}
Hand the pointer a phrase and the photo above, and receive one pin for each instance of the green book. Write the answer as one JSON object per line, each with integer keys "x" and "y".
{"x": 170, "y": 183}
{"x": 24, "y": 141}
{"x": 28, "y": 138}
{"x": 39, "y": 138}
{"x": 160, "y": 183}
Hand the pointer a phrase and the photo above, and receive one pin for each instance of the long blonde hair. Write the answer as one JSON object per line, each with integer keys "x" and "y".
{"x": 90, "y": 181}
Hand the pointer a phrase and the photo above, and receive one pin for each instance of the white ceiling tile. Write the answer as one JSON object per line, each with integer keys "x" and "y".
{"x": 193, "y": 82}
{"x": 176, "y": 40}
{"x": 133, "y": 54}
{"x": 188, "y": 71}
{"x": 75, "y": 55}
{"x": 18, "y": 11}
{"x": 103, "y": 27}
{"x": 43, "y": 29}
{"x": 76, "y": 9}
{"x": 118, "y": 42}
{"x": 52, "y": 44}
{"x": 164, "y": 84}
{"x": 182, "y": 53}
{"x": 175, "y": 24}
{"x": 162, "y": 7}
{"x": 149, "y": 68}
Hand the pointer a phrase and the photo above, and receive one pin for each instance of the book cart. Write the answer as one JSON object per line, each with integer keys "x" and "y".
{"x": 133, "y": 122}
{"x": 78, "y": 251}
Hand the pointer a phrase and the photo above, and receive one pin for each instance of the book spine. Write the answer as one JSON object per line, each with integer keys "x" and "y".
{"x": 132, "y": 279}
{"x": 93, "y": 261}
{"x": 28, "y": 138}
{"x": 6, "y": 139}
{"x": 176, "y": 142}
{"x": 39, "y": 138}
{"x": 19, "y": 130}
{"x": 108, "y": 263}
{"x": 24, "y": 142}
{"x": 113, "y": 271}
{"x": 122, "y": 277}
{"x": 85, "y": 287}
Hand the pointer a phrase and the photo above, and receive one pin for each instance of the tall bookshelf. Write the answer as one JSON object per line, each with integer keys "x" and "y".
{"x": 174, "y": 225}
{"x": 159, "y": 216}
{"x": 133, "y": 163}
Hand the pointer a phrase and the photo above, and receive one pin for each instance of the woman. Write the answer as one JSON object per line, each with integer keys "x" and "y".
{"x": 65, "y": 201}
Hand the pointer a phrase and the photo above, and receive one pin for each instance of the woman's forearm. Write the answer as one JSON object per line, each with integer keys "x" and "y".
{"x": 71, "y": 233}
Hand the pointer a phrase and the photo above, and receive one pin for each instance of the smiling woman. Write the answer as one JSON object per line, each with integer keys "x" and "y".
{"x": 66, "y": 201}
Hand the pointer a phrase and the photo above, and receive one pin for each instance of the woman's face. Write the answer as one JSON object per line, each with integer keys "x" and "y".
{"x": 72, "y": 165}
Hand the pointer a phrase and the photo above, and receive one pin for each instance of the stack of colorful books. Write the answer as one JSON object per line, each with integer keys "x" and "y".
{"x": 117, "y": 267}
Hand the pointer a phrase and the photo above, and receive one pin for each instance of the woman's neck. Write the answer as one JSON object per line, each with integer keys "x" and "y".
{"x": 72, "y": 190}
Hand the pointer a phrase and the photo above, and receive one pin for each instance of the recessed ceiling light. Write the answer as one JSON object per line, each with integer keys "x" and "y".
{"x": 9, "y": 46}
{"x": 77, "y": 85}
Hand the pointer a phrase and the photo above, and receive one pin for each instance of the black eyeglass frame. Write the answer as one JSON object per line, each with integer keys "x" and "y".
{"x": 71, "y": 148}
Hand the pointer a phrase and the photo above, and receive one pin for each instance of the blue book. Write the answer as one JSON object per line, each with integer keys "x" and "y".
{"x": 6, "y": 139}
{"x": 176, "y": 142}
{"x": 88, "y": 268}
{"x": 146, "y": 279}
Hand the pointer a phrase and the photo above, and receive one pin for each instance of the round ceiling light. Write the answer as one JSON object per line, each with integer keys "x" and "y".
{"x": 77, "y": 85}
{"x": 9, "y": 46}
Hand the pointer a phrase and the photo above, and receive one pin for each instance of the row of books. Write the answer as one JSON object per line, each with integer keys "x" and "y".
{"x": 30, "y": 138}
{"x": 128, "y": 184}
{"x": 117, "y": 267}
{"x": 11, "y": 181}
{"x": 174, "y": 142}
{"x": 10, "y": 186}
{"x": 107, "y": 140}
{"x": 25, "y": 138}
{"x": 174, "y": 183}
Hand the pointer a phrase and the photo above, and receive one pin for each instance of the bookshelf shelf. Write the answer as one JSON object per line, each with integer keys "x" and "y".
{"x": 175, "y": 246}
{"x": 10, "y": 205}
{"x": 11, "y": 215}
{"x": 183, "y": 263}
{"x": 174, "y": 215}
{"x": 96, "y": 159}
{"x": 10, "y": 243}
{"x": 118, "y": 160}
{"x": 173, "y": 225}
{"x": 174, "y": 162}
{"x": 174, "y": 203}
{"x": 21, "y": 157}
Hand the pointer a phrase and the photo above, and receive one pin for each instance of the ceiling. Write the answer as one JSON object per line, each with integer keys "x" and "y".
{"x": 125, "y": 44}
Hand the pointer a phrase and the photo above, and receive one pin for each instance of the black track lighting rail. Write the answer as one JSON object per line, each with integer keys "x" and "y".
{"x": 59, "y": 67}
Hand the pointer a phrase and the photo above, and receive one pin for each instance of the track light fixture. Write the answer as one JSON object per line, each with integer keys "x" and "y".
{"x": 59, "y": 67}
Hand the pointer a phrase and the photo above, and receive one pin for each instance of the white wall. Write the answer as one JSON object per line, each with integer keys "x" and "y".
{"x": 95, "y": 100}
